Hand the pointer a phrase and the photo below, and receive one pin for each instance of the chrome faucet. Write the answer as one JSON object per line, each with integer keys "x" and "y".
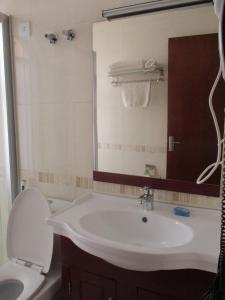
{"x": 147, "y": 199}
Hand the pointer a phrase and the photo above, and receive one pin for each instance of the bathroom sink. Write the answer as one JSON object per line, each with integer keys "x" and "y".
{"x": 137, "y": 228}
{"x": 122, "y": 233}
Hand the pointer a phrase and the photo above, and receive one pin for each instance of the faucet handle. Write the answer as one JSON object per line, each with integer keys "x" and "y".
{"x": 140, "y": 201}
{"x": 147, "y": 190}
{"x": 144, "y": 188}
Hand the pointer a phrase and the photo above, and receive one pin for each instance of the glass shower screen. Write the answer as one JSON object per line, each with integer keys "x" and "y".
{"x": 8, "y": 170}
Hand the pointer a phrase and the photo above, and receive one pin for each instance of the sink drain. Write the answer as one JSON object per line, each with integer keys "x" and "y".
{"x": 144, "y": 220}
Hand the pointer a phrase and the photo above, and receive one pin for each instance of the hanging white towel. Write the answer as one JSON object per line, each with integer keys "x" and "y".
{"x": 136, "y": 94}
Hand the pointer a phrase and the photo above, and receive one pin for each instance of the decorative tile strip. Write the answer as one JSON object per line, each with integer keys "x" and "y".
{"x": 34, "y": 177}
{"x": 132, "y": 148}
{"x": 60, "y": 179}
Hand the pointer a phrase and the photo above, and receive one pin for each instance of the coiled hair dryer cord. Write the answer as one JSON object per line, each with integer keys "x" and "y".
{"x": 217, "y": 291}
{"x": 208, "y": 172}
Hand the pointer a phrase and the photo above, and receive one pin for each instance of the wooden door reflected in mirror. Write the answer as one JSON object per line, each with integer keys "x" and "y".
{"x": 193, "y": 66}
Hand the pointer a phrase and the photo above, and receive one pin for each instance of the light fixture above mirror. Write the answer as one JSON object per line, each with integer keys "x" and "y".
{"x": 148, "y": 7}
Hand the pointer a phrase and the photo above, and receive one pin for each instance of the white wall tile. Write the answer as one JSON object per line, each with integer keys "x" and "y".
{"x": 82, "y": 135}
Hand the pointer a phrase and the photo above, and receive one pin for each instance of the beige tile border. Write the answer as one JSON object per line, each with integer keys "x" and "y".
{"x": 60, "y": 179}
{"x": 132, "y": 148}
{"x": 74, "y": 181}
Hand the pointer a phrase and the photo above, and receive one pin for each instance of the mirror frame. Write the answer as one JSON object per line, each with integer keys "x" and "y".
{"x": 181, "y": 186}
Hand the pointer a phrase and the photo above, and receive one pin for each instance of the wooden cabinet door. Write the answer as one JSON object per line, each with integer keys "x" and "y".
{"x": 66, "y": 283}
{"x": 88, "y": 286}
{"x": 148, "y": 295}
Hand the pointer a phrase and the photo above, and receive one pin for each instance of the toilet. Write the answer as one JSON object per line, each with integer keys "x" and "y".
{"x": 29, "y": 273}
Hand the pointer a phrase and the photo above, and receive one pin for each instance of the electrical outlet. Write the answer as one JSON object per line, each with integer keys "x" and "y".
{"x": 150, "y": 170}
{"x": 24, "y": 30}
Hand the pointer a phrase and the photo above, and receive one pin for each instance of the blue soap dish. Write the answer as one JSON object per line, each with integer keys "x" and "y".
{"x": 181, "y": 211}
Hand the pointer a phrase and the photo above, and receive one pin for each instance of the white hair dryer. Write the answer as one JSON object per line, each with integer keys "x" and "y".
{"x": 219, "y": 7}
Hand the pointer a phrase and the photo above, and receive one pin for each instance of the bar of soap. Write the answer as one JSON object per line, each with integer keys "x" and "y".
{"x": 182, "y": 211}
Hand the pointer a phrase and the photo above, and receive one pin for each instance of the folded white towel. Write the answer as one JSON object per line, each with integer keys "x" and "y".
{"x": 127, "y": 65}
{"x": 136, "y": 94}
{"x": 132, "y": 67}
{"x": 151, "y": 65}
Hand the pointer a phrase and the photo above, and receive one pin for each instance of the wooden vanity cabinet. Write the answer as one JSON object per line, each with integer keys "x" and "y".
{"x": 86, "y": 277}
{"x": 87, "y": 286}
{"x": 147, "y": 295}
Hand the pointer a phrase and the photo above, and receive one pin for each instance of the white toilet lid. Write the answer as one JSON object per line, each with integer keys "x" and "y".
{"x": 28, "y": 236}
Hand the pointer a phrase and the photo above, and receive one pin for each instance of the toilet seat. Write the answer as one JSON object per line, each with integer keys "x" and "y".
{"x": 31, "y": 279}
{"x": 29, "y": 238}
{"x": 29, "y": 245}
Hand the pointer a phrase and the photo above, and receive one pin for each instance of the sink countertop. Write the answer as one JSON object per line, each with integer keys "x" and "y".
{"x": 201, "y": 252}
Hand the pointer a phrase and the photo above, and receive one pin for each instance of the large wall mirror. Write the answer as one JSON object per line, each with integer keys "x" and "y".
{"x": 153, "y": 77}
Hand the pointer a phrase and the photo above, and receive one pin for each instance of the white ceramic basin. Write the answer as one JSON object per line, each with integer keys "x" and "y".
{"x": 137, "y": 228}
{"x": 112, "y": 228}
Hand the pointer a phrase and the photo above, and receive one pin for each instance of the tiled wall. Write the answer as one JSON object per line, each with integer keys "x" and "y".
{"x": 69, "y": 186}
{"x": 132, "y": 159}
{"x": 54, "y": 104}
{"x": 54, "y": 109}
